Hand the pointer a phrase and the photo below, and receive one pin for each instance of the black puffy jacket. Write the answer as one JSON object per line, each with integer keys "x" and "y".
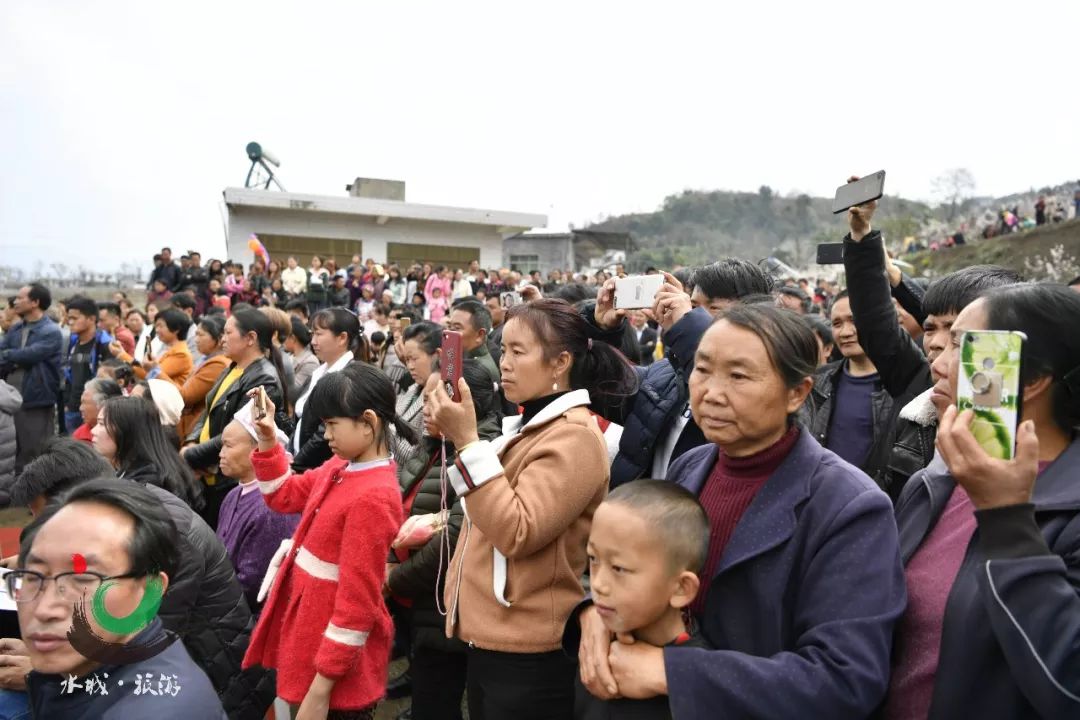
{"x": 261, "y": 372}
{"x": 417, "y": 578}
{"x": 204, "y": 456}
{"x": 913, "y": 444}
{"x": 662, "y": 393}
{"x": 205, "y": 606}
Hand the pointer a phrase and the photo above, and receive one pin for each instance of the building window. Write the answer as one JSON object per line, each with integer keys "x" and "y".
{"x": 524, "y": 263}
{"x": 339, "y": 250}
{"x": 405, "y": 254}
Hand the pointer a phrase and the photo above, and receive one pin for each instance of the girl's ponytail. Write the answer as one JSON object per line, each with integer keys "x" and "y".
{"x": 279, "y": 364}
{"x": 404, "y": 430}
{"x": 360, "y": 347}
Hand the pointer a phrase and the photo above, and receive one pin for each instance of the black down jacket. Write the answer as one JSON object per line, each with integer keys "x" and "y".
{"x": 647, "y": 415}
{"x": 416, "y": 577}
{"x": 204, "y": 456}
{"x": 205, "y": 606}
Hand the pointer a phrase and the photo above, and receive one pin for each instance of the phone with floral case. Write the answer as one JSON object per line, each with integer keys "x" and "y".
{"x": 989, "y": 384}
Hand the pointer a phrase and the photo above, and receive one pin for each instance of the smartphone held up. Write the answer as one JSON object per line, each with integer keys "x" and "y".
{"x": 509, "y": 299}
{"x": 864, "y": 190}
{"x": 260, "y": 403}
{"x": 989, "y": 385}
{"x": 849, "y": 195}
{"x": 450, "y": 359}
{"x": 637, "y": 291}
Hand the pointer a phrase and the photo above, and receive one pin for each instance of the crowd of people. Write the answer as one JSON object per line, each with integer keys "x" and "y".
{"x": 1017, "y": 217}
{"x": 754, "y": 498}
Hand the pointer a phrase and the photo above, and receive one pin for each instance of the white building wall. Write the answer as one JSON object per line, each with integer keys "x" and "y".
{"x": 245, "y": 220}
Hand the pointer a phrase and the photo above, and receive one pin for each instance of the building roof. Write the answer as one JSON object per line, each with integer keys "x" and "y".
{"x": 599, "y": 240}
{"x": 607, "y": 240}
{"x": 382, "y": 210}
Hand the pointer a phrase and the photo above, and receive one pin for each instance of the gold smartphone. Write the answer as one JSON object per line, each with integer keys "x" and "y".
{"x": 260, "y": 404}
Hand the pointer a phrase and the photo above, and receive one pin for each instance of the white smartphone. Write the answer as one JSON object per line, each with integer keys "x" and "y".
{"x": 509, "y": 299}
{"x": 637, "y": 291}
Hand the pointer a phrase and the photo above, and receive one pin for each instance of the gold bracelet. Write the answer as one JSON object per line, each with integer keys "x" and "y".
{"x": 474, "y": 442}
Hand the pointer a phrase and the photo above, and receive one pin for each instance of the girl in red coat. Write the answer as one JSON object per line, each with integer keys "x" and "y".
{"x": 325, "y": 627}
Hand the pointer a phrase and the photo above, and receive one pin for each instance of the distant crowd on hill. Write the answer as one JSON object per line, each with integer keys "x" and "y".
{"x": 1048, "y": 208}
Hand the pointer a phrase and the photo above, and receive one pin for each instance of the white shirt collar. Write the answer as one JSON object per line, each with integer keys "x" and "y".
{"x": 367, "y": 465}
{"x": 340, "y": 363}
{"x": 323, "y": 369}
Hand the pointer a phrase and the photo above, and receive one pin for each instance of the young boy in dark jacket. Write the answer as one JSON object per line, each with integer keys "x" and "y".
{"x": 648, "y": 542}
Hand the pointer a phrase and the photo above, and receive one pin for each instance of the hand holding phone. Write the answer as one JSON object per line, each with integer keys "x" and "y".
{"x": 604, "y": 314}
{"x": 859, "y": 191}
{"x": 988, "y": 383}
{"x": 260, "y": 404}
{"x": 992, "y": 456}
{"x": 671, "y": 303}
{"x": 509, "y": 299}
{"x": 262, "y": 417}
{"x": 637, "y": 291}
{"x": 450, "y": 359}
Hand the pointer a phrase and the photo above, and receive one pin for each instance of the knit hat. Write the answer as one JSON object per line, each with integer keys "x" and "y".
{"x": 169, "y": 401}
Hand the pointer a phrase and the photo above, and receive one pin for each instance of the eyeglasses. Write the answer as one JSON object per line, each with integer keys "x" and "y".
{"x": 25, "y": 586}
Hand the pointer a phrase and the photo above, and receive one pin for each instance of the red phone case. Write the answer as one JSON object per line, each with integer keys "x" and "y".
{"x": 450, "y": 364}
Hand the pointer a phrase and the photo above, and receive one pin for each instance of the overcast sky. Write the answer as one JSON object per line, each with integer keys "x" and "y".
{"x": 121, "y": 123}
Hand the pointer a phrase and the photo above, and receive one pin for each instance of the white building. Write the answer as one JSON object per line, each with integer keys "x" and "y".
{"x": 374, "y": 221}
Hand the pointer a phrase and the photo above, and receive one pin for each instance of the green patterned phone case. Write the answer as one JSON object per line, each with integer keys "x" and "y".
{"x": 989, "y": 384}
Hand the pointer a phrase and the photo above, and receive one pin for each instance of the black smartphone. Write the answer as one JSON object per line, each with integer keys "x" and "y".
{"x": 863, "y": 190}
{"x": 830, "y": 254}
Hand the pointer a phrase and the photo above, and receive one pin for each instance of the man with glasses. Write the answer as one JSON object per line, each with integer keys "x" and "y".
{"x": 118, "y": 536}
{"x": 204, "y": 604}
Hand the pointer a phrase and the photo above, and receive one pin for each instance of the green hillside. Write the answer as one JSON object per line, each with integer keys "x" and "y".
{"x": 694, "y": 227}
{"x": 1026, "y": 252}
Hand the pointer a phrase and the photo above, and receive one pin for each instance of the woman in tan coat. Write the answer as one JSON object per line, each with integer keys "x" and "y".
{"x": 529, "y": 498}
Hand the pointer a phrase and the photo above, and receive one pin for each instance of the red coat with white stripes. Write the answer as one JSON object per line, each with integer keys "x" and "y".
{"x": 325, "y": 612}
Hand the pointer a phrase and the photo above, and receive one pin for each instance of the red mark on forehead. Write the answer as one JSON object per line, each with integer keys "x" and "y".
{"x": 78, "y": 563}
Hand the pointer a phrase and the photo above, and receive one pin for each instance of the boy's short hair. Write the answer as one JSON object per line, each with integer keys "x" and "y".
{"x": 674, "y": 514}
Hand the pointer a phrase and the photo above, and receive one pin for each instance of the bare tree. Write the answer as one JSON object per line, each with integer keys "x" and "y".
{"x": 953, "y": 186}
{"x": 10, "y": 276}
{"x": 61, "y": 271}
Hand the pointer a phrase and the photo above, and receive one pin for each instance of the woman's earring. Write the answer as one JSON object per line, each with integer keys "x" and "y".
{"x": 555, "y": 385}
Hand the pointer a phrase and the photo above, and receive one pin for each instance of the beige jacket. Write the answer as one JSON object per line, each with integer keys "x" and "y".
{"x": 529, "y": 498}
